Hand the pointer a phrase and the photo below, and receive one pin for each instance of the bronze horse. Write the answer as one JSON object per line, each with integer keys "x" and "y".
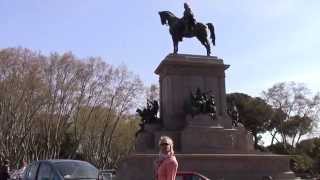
{"x": 177, "y": 30}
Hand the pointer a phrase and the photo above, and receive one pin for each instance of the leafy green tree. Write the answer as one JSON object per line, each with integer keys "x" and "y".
{"x": 302, "y": 164}
{"x": 254, "y": 113}
{"x": 311, "y": 148}
{"x": 277, "y": 117}
{"x": 278, "y": 148}
{"x": 296, "y": 127}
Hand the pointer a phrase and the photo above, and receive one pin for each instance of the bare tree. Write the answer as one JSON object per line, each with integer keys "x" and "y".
{"x": 152, "y": 92}
{"x": 295, "y": 102}
{"x": 120, "y": 97}
{"x": 20, "y": 99}
{"x": 60, "y": 105}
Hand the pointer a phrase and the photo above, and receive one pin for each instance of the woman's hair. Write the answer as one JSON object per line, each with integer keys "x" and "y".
{"x": 167, "y": 139}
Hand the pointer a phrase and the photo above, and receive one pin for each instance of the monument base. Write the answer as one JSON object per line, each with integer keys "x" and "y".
{"x": 204, "y": 140}
{"x": 214, "y": 166}
{"x": 213, "y": 148}
{"x": 204, "y": 135}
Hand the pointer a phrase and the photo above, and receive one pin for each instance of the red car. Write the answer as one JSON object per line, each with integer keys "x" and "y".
{"x": 189, "y": 175}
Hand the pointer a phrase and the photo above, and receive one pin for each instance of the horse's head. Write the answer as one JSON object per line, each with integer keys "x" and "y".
{"x": 163, "y": 17}
{"x": 167, "y": 18}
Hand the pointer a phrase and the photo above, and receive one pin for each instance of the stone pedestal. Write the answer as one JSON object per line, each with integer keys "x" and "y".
{"x": 204, "y": 135}
{"x": 145, "y": 141}
{"x": 179, "y": 76}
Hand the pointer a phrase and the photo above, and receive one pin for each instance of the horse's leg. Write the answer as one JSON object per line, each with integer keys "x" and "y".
{"x": 205, "y": 43}
{"x": 208, "y": 48}
{"x": 175, "y": 45}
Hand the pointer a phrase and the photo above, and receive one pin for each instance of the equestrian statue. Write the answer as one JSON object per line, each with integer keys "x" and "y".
{"x": 187, "y": 27}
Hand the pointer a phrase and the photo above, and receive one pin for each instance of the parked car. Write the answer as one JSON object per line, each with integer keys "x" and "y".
{"x": 189, "y": 175}
{"x": 60, "y": 170}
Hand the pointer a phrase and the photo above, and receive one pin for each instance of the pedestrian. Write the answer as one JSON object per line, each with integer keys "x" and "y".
{"x": 166, "y": 164}
{"x": 4, "y": 170}
{"x": 23, "y": 167}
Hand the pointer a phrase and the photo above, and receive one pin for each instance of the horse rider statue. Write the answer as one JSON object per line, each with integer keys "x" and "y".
{"x": 187, "y": 27}
{"x": 188, "y": 19}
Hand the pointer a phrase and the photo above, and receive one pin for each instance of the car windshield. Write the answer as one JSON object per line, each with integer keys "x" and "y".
{"x": 77, "y": 170}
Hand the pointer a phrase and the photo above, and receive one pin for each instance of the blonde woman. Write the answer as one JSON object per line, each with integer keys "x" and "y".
{"x": 166, "y": 164}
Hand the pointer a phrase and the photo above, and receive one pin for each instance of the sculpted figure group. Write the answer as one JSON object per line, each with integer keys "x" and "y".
{"x": 201, "y": 103}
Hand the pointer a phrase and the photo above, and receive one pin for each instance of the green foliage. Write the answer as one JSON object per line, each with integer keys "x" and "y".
{"x": 286, "y": 110}
{"x": 305, "y": 157}
{"x": 311, "y": 147}
{"x": 297, "y": 125}
{"x": 302, "y": 164}
{"x": 279, "y": 148}
{"x": 254, "y": 113}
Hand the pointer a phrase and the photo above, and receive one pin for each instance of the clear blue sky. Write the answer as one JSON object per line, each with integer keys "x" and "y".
{"x": 265, "y": 42}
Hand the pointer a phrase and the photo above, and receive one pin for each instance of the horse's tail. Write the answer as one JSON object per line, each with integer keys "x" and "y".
{"x": 212, "y": 35}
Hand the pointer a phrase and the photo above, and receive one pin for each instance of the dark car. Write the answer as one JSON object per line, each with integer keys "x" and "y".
{"x": 60, "y": 170}
{"x": 189, "y": 175}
